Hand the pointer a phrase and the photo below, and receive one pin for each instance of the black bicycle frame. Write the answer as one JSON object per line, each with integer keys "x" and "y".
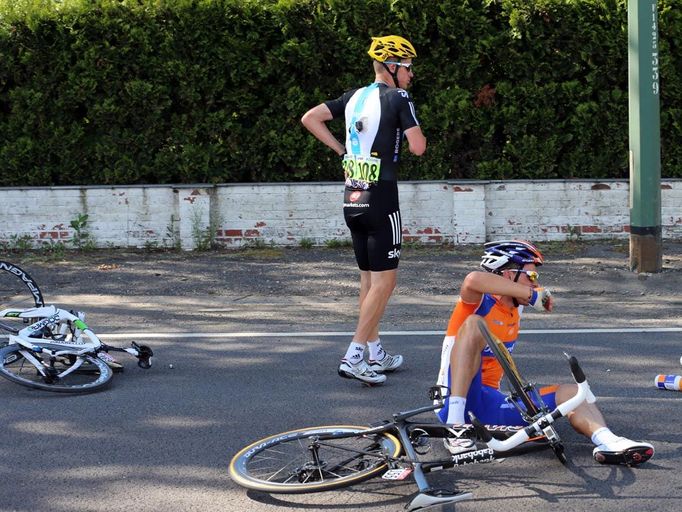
{"x": 402, "y": 427}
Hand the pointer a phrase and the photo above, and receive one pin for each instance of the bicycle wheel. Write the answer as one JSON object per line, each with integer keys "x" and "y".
{"x": 511, "y": 372}
{"x": 313, "y": 459}
{"x": 61, "y": 378}
{"x": 18, "y": 290}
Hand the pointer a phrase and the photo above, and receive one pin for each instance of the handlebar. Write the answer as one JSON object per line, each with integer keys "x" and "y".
{"x": 536, "y": 428}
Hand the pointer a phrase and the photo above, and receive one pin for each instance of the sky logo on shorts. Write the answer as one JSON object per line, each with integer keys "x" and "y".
{"x": 393, "y": 253}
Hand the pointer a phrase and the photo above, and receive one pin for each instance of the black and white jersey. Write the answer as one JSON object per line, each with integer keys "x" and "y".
{"x": 380, "y": 123}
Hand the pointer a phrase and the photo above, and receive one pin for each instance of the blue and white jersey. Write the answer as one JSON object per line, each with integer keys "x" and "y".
{"x": 376, "y": 117}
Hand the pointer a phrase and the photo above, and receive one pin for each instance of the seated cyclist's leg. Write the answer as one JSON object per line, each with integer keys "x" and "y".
{"x": 465, "y": 365}
{"x": 588, "y": 420}
{"x": 461, "y": 372}
{"x": 485, "y": 403}
{"x": 491, "y": 408}
{"x": 460, "y": 363}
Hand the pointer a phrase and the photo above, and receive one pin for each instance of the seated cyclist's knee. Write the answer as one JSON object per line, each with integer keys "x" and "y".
{"x": 469, "y": 333}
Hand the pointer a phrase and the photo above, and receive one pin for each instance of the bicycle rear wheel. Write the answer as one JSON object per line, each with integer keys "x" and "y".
{"x": 18, "y": 290}
{"x": 313, "y": 459}
{"x": 94, "y": 375}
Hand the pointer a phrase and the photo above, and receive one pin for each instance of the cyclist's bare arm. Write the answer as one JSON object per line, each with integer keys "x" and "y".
{"x": 315, "y": 121}
{"x": 477, "y": 283}
{"x": 416, "y": 140}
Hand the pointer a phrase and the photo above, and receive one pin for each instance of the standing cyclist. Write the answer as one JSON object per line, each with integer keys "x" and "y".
{"x": 377, "y": 117}
{"x": 470, "y": 370}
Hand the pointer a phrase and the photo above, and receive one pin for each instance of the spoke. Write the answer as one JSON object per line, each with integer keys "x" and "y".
{"x": 270, "y": 478}
{"x": 306, "y": 460}
{"x": 274, "y": 451}
{"x": 268, "y": 469}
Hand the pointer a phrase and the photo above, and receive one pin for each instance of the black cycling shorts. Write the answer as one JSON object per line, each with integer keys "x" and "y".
{"x": 373, "y": 217}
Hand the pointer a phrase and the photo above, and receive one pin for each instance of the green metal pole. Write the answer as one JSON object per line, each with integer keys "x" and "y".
{"x": 645, "y": 139}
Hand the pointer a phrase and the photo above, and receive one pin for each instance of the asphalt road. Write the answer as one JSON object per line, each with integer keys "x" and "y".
{"x": 161, "y": 439}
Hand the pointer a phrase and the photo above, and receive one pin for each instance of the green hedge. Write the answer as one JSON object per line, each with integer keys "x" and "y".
{"x": 182, "y": 91}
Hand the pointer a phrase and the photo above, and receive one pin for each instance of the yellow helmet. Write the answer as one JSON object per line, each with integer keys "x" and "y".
{"x": 391, "y": 46}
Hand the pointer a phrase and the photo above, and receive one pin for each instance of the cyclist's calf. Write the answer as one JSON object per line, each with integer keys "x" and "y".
{"x": 465, "y": 356}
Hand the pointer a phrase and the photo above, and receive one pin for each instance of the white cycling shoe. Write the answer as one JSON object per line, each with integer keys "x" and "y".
{"x": 361, "y": 372}
{"x": 623, "y": 451}
{"x": 388, "y": 364}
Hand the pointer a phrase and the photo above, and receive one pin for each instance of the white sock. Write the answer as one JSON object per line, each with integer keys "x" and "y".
{"x": 355, "y": 353}
{"x": 376, "y": 351}
{"x": 603, "y": 436}
{"x": 456, "y": 405}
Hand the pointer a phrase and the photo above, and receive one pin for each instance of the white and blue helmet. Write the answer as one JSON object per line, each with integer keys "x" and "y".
{"x": 509, "y": 253}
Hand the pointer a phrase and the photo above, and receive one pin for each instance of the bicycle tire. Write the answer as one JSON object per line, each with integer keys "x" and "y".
{"x": 18, "y": 290}
{"x": 289, "y": 463}
{"x": 16, "y": 368}
{"x": 511, "y": 372}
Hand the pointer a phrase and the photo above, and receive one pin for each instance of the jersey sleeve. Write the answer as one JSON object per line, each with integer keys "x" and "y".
{"x": 338, "y": 106}
{"x": 406, "y": 111}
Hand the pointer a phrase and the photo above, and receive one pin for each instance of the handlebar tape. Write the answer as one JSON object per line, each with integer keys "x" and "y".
{"x": 576, "y": 370}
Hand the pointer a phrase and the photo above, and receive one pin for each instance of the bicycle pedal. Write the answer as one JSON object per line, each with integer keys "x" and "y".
{"x": 397, "y": 474}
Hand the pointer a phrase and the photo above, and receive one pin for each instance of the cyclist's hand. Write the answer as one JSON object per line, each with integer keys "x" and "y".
{"x": 541, "y": 299}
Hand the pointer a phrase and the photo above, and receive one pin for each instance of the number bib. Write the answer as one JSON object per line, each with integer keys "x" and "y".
{"x": 361, "y": 171}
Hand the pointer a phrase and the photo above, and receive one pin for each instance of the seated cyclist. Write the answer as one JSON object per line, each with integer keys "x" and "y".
{"x": 472, "y": 373}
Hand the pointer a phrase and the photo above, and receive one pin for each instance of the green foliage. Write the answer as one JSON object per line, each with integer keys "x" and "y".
{"x": 335, "y": 243}
{"x": 53, "y": 250}
{"x": 82, "y": 239}
{"x": 204, "y": 237}
{"x": 211, "y": 91}
{"x": 18, "y": 243}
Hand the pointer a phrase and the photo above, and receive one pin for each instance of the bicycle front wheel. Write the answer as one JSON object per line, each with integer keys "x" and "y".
{"x": 61, "y": 378}
{"x": 18, "y": 290}
{"x": 313, "y": 459}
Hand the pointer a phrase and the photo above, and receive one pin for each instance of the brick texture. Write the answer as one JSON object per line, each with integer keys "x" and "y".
{"x": 461, "y": 212}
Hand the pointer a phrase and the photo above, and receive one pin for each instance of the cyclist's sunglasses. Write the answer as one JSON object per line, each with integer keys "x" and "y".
{"x": 408, "y": 67}
{"x": 530, "y": 274}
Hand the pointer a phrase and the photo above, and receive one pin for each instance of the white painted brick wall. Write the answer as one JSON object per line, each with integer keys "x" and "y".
{"x": 460, "y": 212}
